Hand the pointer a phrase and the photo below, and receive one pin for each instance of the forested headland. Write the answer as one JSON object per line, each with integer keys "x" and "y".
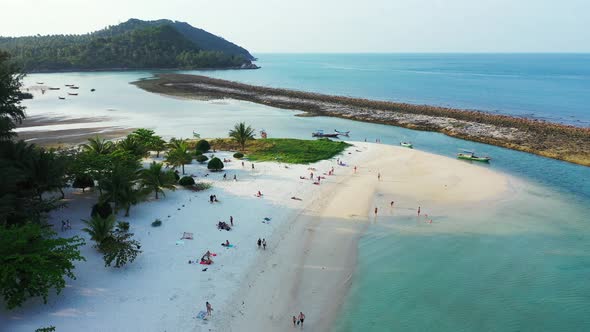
{"x": 134, "y": 44}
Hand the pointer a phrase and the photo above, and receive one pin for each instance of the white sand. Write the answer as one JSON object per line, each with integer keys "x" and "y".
{"x": 307, "y": 265}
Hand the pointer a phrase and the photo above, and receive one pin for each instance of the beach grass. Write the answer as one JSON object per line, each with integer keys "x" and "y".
{"x": 286, "y": 150}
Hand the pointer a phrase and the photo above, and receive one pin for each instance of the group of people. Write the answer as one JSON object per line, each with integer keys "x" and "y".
{"x": 222, "y": 225}
{"x": 213, "y": 198}
{"x": 262, "y": 243}
{"x": 225, "y": 177}
{"x": 65, "y": 225}
{"x": 298, "y": 320}
{"x": 206, "y": 259}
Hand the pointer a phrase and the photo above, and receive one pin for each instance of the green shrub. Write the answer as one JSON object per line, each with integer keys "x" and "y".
{"x": 203, "y": 146}
{"x": 200, "y": 186}
{"x": 202, "y": 158}
{"x": 104, "y": 210}
{"x": 46, "y": 329}
{"x": 120, "y": 248}
{"x": 157, "y": 223}
{"x": 215, "y": 164}
{"x": 186, "y": 181}
{"x": 83, "y": 181}
{"x": 123, "y": 226}
{"x": 238, "y": 155}
{"x": 198, "y": 153}
{"x": 99, "y": 228}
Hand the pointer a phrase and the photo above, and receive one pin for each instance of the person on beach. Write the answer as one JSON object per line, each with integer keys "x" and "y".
{"x": 294, "y": 321}
{"x": 264, "y": 244}
{"x": 355, "y": 169}
{"x": 242, "y": 164}
{"x": 235, "y": 178}
{"x": 209, "y": 308}
{"x": 379, "y": 176}
{"x": 418, "y": 211}
{"x": 231, "y": 221}
{"x": 259, "y": 194}
{"x": 215, "y": 198}
{"x": 391, "y": 204}
{"x": 376, "y": 209}
{"x": 311, "y": 175}
{"x": 301, "y": 318}
{"x": 210, "y": 198}
{"x": 259, "y": 243}
{"x": 252, "y": 165}
{"x": 224, "y": 176}
{"x": 226, "y": 244}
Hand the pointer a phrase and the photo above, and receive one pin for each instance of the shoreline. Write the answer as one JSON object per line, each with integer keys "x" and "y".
{"x": 552, "y": 140}
{"x": 98, "y": 70}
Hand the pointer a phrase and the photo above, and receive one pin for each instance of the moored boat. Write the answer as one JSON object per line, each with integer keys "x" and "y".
{"x": 406, "y": 145}
{"x": 321, "y": 134}
{"x": 92, "y": 90}
{"x": 53, "y": 88}
{"x": 343, "y": 133}
{"x": 74, "y": 87}
{"x": 470, "y": 155}
{"x": 72, "y": 94}
{"x": 62, "y": 98}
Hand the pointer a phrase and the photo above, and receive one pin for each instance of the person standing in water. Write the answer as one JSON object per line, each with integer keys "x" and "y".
{"x": 418, "y": 211}
{"x": 209, "y": 308}
{"x": 376, "y": 209}
{"x": 301, "y": 318}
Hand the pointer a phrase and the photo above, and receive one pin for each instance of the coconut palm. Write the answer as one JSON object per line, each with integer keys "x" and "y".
{"x": 98, "y": 145}
{"x": 150, "y": 140}
{"x": 155, "y": 180}
{"x": 178, "y": 154}
{"x": 133, "y": 145}
{"x": 119, "y": 186}
{"x": 242, "y": 133}
{"x": 100, "y": 228}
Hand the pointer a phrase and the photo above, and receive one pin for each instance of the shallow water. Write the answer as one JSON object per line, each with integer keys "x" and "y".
{"x": 518, "y": 265}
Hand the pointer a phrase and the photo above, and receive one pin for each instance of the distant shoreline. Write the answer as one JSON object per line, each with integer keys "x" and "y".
{"x": 73, "y": 70}
{"x": 552, "y": 140}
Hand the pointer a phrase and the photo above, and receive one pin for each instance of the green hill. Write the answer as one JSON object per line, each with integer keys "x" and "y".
{"x": 134, "y": 44}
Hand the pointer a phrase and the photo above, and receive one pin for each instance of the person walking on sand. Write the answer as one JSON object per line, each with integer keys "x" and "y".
{"x": 391, "y": 204}
{"x": 301, "y": 318}
{"x": 379, "y": 176}
{"x": 355, "y": 169}
{"x": 242, "y": 164}
{"x": 294, "y": 321}
{"x": 259, "y": 243}
{"x": 235, "y": 178}
{"x": 264, "y": 244}
{"x": 231, "y": 221}
{"x": 252, "y": 165}
{"x": 209, "y": 308}
{"x": 418, "y": 211}
{"x": 225, "y": 176}
{"x": 376, "y": 209}
{"x": 311, "y": 175}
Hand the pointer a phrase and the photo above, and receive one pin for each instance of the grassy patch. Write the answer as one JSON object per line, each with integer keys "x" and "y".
{"x": 287, "y": 150}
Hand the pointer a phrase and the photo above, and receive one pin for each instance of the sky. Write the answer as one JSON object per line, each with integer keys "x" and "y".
{"x": 317, "y": 26}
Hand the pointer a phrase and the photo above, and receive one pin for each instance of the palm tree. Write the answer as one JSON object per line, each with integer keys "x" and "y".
{"x": 179, "y": 155}
{"x": 133, "y": 145}
{"x": 100, "y": 228}
{"x": 148, "y": 138}
{"x": 119, "y": 187}
{"x": 154, "y": 179}
{"x": 98, "y": 145}
{"x": 242, "y": 133}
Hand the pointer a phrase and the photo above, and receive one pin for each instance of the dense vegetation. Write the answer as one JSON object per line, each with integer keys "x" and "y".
{"x": 133, "y": 44}
{"x": 287, "y": 150}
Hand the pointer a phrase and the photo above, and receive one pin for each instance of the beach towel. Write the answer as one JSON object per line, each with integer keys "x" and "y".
{"x": 205, "y": 263}
{"x": 228, "y": 246}
{"x": 187, "y": 236}
{"x": 202, "y": 314}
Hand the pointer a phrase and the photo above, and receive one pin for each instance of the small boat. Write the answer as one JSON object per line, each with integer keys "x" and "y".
{"x": 406, "y": 145}
{"x": 470, "y": 155}
{"x": 53, "y": 88}
{"x": 74, "y": 87}
{"x": 320, "y": 133}
{"x": 342, "y": 133}
{"x": 92, "y": 90}
{"x": 69, "y": 85}
{"x": 40, "y": 83}
{"x": 72, "y": 94}
{"x": 62, "y": 98}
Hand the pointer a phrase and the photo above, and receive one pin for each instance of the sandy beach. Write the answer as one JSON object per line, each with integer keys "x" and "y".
{"x": 307, "y": 266}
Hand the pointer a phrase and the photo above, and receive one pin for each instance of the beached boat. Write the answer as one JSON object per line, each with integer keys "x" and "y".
{"x": 74, "y": 87}
{"x": 342, "y": 133}
{"x": 72, "y": 94}
{"x": 40, "y": 83}
{"x": 320, "y": 133}
{"x": 53, "y": 88}
{"x": 406, "y": 145}
{"x": 62, "y": 98}
{"x": 69, "y": 85}
{"x": 92, "y": 90}
{"x": 470, "y": 155}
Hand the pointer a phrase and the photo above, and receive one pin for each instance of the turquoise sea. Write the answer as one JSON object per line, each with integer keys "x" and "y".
{"x": 521, "y": 264}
